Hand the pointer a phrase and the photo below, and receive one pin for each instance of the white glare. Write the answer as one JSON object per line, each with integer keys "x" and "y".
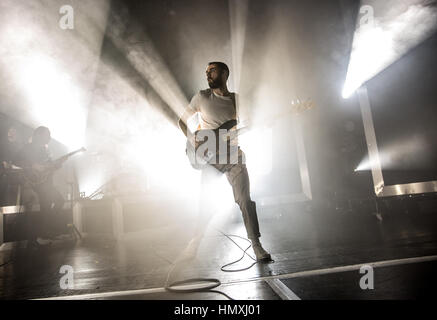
{"x": 391, "y": 35}
{"x": 54, "y": 100}
{"x": 257, "y": 146}
{"x": 375, "y": 49}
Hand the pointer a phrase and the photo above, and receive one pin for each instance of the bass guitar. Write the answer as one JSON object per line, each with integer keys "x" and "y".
{"x": 209, "y": 145}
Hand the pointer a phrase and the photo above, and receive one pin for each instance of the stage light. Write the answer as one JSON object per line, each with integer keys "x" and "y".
{"x": 50, "y": 70}
{"x": 373, "y": 48}
{"x": 388, "y": 37}
{"x": 160, "y": 155}
{"x": 391, "y": 155}
{"x": 364, "y": 165}
{"x": 54, "y": 100}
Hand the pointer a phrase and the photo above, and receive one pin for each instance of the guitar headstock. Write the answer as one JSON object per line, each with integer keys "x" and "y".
{"x": 298, "y": 106}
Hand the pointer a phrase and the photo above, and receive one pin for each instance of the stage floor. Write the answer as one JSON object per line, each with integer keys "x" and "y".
{"x": 317, "y": 256}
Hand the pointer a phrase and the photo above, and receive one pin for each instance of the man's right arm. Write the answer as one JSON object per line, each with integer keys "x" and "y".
{"x": 182, "y": 123}
{"x": 191, "y": 109}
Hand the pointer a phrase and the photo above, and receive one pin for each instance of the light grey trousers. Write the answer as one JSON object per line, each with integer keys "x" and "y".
{"x": 238, "y": 178}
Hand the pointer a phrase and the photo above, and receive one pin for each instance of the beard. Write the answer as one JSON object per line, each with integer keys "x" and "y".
{"x": 214, "y": 84}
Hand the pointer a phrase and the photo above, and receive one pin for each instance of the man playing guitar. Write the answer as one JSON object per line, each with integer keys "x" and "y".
{"x": 35, "y": 158}
{"x": 217, "y": 106}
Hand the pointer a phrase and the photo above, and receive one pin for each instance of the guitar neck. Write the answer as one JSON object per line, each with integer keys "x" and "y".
{"x": 249, "y": 125}
{"x": 244, "y": 129}
{"x": 68, "y": 155}
{"x": 267, "y": 122}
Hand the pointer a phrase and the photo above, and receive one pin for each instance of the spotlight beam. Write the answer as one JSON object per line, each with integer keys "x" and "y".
{"x": 130, "y": 38}
{"x": 237, "y": 18}
{"x": 384, "y": 38}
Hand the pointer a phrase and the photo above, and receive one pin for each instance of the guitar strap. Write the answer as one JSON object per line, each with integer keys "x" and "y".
{"x": 234, "y": 102}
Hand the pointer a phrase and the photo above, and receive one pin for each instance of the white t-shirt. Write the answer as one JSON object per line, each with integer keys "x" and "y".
{"x": 214, "y": 109}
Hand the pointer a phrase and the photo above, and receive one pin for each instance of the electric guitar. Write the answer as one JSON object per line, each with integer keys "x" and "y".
{"x": 201, "y": 155}
{"x": 40, "y": 173}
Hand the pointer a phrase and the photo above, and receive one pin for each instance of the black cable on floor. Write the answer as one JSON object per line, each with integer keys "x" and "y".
{"x": 209, "y": 288}
{"x": 172, "y": 287}
{"x": 214, "y": 282}
{"x": 244, "y": 253}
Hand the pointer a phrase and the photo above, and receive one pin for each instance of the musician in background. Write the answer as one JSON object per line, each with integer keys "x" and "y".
{"x": 9, "y": 146}
{"x": 36, "y": 156}
{"x": 216, "y": 106}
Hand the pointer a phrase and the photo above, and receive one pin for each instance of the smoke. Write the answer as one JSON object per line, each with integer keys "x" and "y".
{"x": 47, "y": 72}
{"x": 133, "y": 42}
{"x": 398, "y": 156}
{"x": 238, "y": 22}
{"x": 136, "y": 102}
{"x": 395, "y": 28}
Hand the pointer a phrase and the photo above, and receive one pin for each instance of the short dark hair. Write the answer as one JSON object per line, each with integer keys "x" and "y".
{"x": 221, "y": 65}
{"x": 41, "y": 130}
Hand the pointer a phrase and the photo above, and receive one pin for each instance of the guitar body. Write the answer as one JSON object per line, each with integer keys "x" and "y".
{"x": 199, "y": 160}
